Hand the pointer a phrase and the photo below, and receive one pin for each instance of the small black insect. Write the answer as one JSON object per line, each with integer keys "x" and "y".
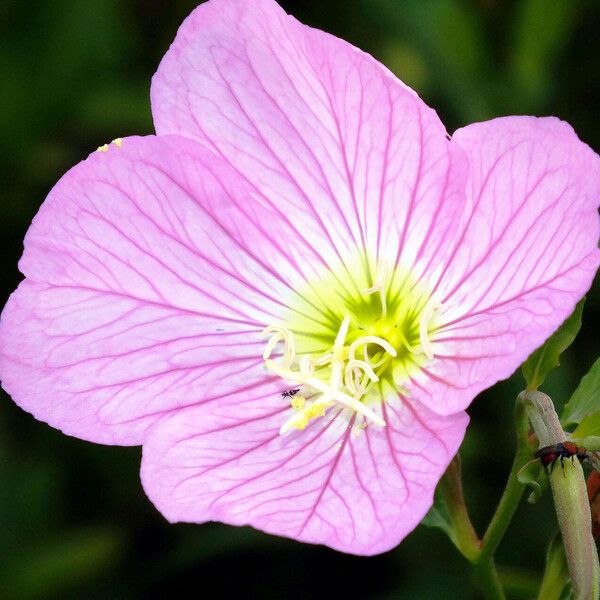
{"x": 290, "y": 393}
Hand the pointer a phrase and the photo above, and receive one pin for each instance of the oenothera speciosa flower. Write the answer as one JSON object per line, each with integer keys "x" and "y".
{"x": 292, "y": 292}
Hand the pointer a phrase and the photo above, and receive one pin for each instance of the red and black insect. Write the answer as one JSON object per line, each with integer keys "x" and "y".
{"x": 290, "y": 393}
{"x": 550, "y": 454}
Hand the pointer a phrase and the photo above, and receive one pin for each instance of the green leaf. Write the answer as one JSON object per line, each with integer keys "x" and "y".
{"x": 532, "y": 475}
{"x": 449, "y": 512}
{"x": 586, "y": 398}
{"x": 590, "y": 425}
{"x": 546, "y": 357}
{"x": 590, "y": 442}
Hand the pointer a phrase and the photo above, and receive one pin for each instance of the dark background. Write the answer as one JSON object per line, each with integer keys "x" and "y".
{"x": 74, "y": 74}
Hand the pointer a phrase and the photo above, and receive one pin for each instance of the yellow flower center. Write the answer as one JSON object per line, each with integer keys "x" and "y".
{"x": 348, "y": 340}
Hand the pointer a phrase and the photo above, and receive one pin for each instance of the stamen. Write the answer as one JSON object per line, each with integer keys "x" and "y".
{"x": 380, "y": 362}
{"x": 379, "y": 285}
{"x": 324, "y": 360}
{"x": 348, "y": 401}
{"x": 280, "y": 334}
{"x": 307, "y": 365}
{"x": 301, "y": 419}
{"x": 337, "y": 359}
{"x": 374, "y": 348}
{"x": 352, "y": 375}
{"x": 298, "y": 402}
{"x": 371, "y": 339}
{"x": 329, "y": 393}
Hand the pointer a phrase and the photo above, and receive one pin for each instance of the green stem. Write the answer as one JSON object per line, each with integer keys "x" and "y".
{"x": 484, "y": 561}
{"x": 514, "y": 488}
{"x": 481, "y": 553}
{"x": 489, "y": 581}
{"x": 451, "y": 495}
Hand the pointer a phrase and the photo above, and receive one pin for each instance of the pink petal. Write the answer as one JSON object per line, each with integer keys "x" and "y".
{"x": 149, "y": 279}
{"x": 527, "y": 253}
{"x": 328, "y": 136}
{"x": 360, "y": 493}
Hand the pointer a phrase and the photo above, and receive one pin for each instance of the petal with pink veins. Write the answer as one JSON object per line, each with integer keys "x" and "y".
{"x": 326, "y": 135}
{"x": 150, "y": 275}
{"x": 355, "y": 490}
{"x": 526, "y": 253}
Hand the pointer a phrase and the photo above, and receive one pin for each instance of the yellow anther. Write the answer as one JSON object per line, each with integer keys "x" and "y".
{"x": 345, "y": 374}
{"x": 300, "y": 422}
{"x": 315, "y": 410}
{"x": 328, "y": 393}
{"x": 103, "y": 148}
{"x": 118, "y": 142}
{"x": 298, "y": 402}
{"x": 302, "y": 419}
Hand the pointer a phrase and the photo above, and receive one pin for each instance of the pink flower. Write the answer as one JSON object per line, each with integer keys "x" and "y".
{"x": 302, "y": 225}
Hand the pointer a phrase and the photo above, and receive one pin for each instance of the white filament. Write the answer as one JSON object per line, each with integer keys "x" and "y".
{"x": 379, "y": 286}
{"x": 278, "y": 334}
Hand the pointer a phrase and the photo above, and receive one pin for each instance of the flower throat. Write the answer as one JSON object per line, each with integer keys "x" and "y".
{"x": 351, "y": 341}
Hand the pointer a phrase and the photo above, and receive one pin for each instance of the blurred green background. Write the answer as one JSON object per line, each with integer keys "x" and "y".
{"x": 74, "y": 74}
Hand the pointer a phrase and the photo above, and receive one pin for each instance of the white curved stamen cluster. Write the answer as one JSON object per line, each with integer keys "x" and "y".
{"x": 346, "y": 385}
{"x": 359, "y": 372}
{"x": 345, "y": 374}
{"x": 354, "y": 376}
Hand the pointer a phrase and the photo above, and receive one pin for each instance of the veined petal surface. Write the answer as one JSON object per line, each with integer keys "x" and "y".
{"x": 326, "y": 134}
{"x": 359, "y": 491}
{"x": 285, "y": 154}
{"x": 526, "y": 253}
{"x": 149, "y": 280}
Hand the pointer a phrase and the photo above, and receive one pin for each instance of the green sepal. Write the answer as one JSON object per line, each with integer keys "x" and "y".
{"x": 439, "y": 517}
{"x": 449, "y": 512}
{"x": 556, "y": 576}
{"x": 532, "y": 475}
{"x": 546, "y": 358}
